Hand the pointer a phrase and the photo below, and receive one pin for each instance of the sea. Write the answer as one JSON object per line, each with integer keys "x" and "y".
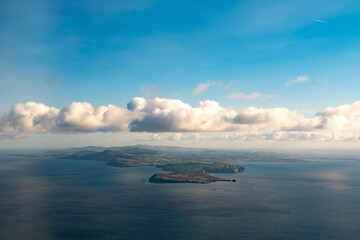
{"x": 45, "y": 199}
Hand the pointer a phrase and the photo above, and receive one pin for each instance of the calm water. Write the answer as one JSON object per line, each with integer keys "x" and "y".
{"x": 69, "y": 199}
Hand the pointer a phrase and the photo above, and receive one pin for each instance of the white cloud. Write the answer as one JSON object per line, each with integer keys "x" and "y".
{"x": 172, "y": 115}
{"x": 341, "y": 123}
{"x": 203, "y": 86}
{"x": 33, "y": 117}
{"x": 299, "y": 79}
{"x": 251, "y": 96}
{"x": 154, "y": 137}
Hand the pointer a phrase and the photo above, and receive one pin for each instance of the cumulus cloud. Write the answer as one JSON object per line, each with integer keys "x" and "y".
{"x": 172, "y": 115}
{"x": 158, "y": 115}
{"x": 33, "y": 117}
{"x": 299, "y": 79}
{"x": 203, "y": 86}
{"x": 251, "y": 96}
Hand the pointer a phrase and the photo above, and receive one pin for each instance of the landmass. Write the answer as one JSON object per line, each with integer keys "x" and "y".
{"x": 186, "y": 177}
{"x": 193, "y": 165}
{"x": 143, "y": 155}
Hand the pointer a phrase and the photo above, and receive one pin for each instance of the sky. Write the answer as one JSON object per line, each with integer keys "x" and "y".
{"x": 225, "y": 74}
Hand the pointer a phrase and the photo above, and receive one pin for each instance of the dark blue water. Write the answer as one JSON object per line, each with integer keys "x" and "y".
{"x": 69, "y": 199}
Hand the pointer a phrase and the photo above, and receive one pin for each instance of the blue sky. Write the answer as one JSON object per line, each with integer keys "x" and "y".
{"x": 108, "y": 52}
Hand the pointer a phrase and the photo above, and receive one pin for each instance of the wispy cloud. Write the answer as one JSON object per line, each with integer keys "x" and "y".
{"x": 150, "y": 91}
{"x": 320, "y": 21}
{"x": 299, "y": 79}
{"x": 251, "y": 96}
{"x": 203, "y": 86}
{"x": 181, "y": 136}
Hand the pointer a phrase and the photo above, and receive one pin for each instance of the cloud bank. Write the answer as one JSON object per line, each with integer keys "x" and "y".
{"x": 160, "y": 115}
{"x": 277, "y": 135}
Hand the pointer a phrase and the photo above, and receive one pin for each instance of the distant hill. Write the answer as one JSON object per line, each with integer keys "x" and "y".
{"x": 138, "y": 146}
{"x": 111, "y": 154}
{"x": 144, "y": 155}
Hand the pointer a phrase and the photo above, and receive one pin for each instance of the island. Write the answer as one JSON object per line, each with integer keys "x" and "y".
{"x": 186, "y": 177}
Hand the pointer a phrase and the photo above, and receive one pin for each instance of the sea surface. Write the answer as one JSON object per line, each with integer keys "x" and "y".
{"x": 78, "y": 199}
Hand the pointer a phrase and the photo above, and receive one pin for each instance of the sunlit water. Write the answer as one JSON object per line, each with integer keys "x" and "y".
{"x": 69, "y": 199}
